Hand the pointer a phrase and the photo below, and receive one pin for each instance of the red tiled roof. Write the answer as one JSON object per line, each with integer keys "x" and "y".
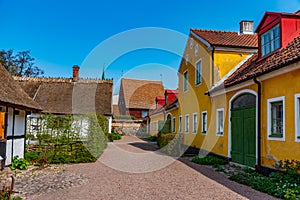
{"x": 225, "y": 38}
{"x": 255, "y": 67}
{"x": 141, "y": 94}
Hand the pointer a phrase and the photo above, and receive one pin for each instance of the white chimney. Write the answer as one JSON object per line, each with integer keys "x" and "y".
{"x": 246, "y": 27}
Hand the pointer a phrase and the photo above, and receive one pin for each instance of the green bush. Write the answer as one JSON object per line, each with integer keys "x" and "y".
{"x": 170, "y": 143}
{"x": 128, "y": 117}
{"x": 282, "y": 184}
{"x": 18, "y": 163}
{"x": 117, "y": 136}
{"x": 209, "y": 160}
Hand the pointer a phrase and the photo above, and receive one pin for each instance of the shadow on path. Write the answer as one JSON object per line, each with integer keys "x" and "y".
{"x": 147, "y": 146}
{"x": 243, "y": 190}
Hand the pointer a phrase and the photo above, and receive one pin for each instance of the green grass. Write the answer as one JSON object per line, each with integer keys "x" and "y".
{"x": 209, "y": 160}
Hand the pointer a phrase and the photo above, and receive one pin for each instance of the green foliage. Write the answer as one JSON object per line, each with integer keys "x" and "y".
{"x": 19, "y": 64}
{"x": 18, "y": 163}
{"x": 30, "y": 136}
{"x": 117, "y": 136}
{"x": 209, "y": 160}
{"x": 152, "y": 138}
{"x": 128, "y": 117}
{"x": 63, "y": 143}
{"x": 170, "y": 143}
{"x": 97, "y": 131}
{"x": 282, "y": 184}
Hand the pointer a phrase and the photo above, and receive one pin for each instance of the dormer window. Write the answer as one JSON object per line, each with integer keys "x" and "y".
{"x": 270, "y": 40}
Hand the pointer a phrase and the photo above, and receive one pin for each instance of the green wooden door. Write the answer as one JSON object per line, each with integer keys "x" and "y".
{"x": 243, "y": 136}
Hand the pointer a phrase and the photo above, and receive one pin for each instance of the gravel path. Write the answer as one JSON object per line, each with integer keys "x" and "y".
{"x": 130, "y": 169}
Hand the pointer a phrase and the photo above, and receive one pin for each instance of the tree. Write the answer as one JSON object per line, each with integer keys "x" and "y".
{"x": 19, "y": 64}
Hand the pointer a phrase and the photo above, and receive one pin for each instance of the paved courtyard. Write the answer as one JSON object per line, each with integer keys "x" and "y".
{"x": 131, "y": 169}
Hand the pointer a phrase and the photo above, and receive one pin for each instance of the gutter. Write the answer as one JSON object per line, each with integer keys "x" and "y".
{"x": 258, "y": 167}
{"x": 213, "y": 66}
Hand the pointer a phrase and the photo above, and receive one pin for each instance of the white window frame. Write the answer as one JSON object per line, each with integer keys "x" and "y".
{"x": 297, "y": 117}
{"x": 219, "y": 123}
{"x": 180, "y": 124}
{"x": 174, "y": 124}
{"x": 272, "y": 40}
{"x": 204, "y": 129}
{"x": 195, "y": 125}
{"x": 196, "y": 49}
{"x": 185, "y": 81}
{"x": 187, "y": 123}
{"x": 196, "y": 72}
{"x": 186, "y": 59}
{"x": 270, "y": 101}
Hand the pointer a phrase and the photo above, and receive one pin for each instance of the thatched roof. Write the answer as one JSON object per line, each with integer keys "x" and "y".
{"x": 12, "y": 94}
{"x": 64, "y": 96}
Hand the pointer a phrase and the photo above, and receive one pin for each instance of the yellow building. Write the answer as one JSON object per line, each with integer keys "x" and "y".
{"x": 263, "y": 97}
{"x": 209, "y": 58}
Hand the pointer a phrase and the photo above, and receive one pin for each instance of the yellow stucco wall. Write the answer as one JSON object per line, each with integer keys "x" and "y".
{"x": 225, "y": 61}
{"x": 194, "y": 99}
{"x": 286, "y": 85}
{"x": 154, "y": 123}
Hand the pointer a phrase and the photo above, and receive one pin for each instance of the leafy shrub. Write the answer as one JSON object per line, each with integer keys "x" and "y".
{"x": 170, "y": 143}
{"x": 209, "y": 160}
{"x": 18, "y": 163}
{"x": 128, "y": 117}
{"x": 282, "y": 184}
{"x": 152, "y": 138}
{"x": 117, "y": 136}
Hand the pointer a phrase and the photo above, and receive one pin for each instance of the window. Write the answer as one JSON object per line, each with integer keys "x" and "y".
{"x": 204, "y": 122}
{"x": 180, "y": 124}
{"x": 195, "y": 122}
{"x": 174, "y": 124}
{"x": 144, "y": 113}
{"x": 154, "y": 126}
{"x": 187, "y": 124}
{"x": 276, "y": 118}
{"x": 220, "y": 121}
{"x": 185, "y": 80}
{"x": 187, "y": 59}
{"x": 198, "y": 72}
{"x": 270, "y": 41}
{"x": 297, "y": 117}
{"x": 196, "y": 49}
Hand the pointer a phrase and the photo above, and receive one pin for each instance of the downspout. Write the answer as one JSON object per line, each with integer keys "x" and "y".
{"x": 258, "y": 124}
{"x": 213, "y": 66}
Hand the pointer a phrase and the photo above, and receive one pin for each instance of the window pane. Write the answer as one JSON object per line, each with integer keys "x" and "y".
{"x": 185, "y": 84}
{"x": 204, "y": 122}
{"x": 277, "y": 118}
{"x": 198, "y": 72}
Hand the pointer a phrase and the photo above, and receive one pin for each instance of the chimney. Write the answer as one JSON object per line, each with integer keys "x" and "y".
{"x": 246, "y": 27}
{"x": 75, "y": 73}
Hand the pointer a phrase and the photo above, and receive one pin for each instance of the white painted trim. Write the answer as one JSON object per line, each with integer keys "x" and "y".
{"x": 229, "y": 121}
{"x": 180, "y": 124}
{"x": 184, "y": 81}
{"x": 281, "y": 71}
{"x": 271, "y": 100}
{"x": 244, "y": 50}
{"x": 232, "y": 88}
{"x": 186, "y": 128}
{"x": 202, "y": 122}
{"x": 264, "y": 77}
{"x": 194, "y": 129}
{"x": 200, "y": 39}
{"x": 297, "y": 117}
{"x": 217, "y": 121}
{"x": 196, "y": 66}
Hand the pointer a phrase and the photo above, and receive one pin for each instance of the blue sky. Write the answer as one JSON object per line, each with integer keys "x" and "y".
{"x": 63, "y": 33}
